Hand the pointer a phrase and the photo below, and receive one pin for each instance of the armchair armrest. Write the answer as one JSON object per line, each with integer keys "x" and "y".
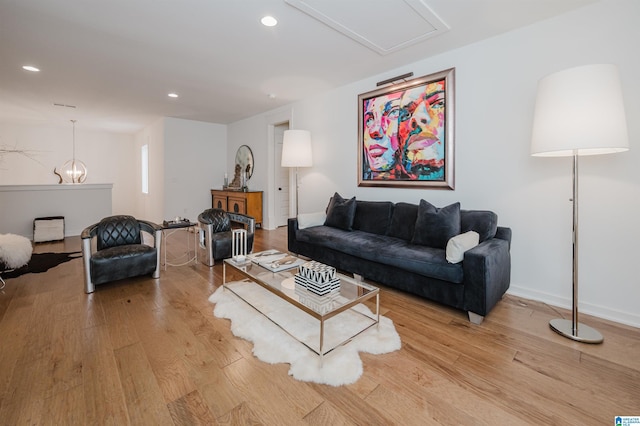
{"x": 89, "y": 232}
{"x": 154, "y": 229}
{"x": 249, "y": 221}
{"x": 149, "y": 227}
{"x": 86, "y": 236}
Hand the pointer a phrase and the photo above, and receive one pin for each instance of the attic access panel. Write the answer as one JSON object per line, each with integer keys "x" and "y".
{"x": 382, "y": 26}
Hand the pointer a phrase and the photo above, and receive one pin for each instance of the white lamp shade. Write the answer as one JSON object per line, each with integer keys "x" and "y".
{"x": 296, "y": 149}
{"x": 580, "y": 111}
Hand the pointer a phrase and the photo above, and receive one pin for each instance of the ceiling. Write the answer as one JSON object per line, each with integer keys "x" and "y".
{"x": 111, "y": 64}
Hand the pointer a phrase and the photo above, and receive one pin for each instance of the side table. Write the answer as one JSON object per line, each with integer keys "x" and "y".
{"x": 171, "y": 227}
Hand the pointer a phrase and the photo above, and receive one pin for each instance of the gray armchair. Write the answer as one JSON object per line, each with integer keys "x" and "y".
{"x": 119, "y": 250}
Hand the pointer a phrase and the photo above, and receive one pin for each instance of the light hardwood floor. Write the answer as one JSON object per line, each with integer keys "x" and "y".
{"x": 150, "y": 352}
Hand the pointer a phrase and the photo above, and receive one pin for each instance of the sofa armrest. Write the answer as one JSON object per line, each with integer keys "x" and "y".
{"x": 245, "y": 220}
{"x": 292, "y": 228}
{"x": 487, "y": 274}
{"x": 504, "y": 233}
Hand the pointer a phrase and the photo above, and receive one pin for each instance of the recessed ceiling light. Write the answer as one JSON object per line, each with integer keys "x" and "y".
{"x": 173, "y": 95}
{"x": 30, "y": 68}
{"x": 269, "y": 21}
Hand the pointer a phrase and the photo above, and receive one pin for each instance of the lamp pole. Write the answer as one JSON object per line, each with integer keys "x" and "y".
{"x": 297, "y": 191}
{"x": 574, "y": 329}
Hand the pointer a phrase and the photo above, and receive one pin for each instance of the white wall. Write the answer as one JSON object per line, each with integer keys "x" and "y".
{"x": 257, "y": 133}
{"x": 21, "y": 204}
{"x": 195, "y": 158}
{"x": 495, "y": 93}
{"x": 186, "y": 159}
{"x": 108, "y": 157}
{"x": 150, "y": 206}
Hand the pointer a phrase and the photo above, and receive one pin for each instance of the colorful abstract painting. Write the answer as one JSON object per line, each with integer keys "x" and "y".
{"x": 406, "y": 133}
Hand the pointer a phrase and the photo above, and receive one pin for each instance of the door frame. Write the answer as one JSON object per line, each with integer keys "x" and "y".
{"x": 273, "y": 120}
{"x": 282, "y": 177}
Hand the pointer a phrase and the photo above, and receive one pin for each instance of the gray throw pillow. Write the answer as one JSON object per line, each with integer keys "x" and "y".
{"x": 341, "y": 212}
{"x": 434, "y": 226}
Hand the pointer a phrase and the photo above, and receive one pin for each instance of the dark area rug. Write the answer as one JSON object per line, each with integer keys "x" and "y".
{"x": 42, "y": 262}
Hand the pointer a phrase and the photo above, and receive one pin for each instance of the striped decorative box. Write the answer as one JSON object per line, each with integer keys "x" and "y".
{"x": 317, "y": 272}
{"x": 318, "y": 278}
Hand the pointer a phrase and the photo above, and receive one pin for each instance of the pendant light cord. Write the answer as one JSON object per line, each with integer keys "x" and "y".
{"x": 74, "y": 140}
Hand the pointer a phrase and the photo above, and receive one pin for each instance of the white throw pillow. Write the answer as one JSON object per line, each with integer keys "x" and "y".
{"x": 457, "y": 245}
{"x": 307, "y": 220}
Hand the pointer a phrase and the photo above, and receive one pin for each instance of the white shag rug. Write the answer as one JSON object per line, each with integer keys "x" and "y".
{"x": 342, "y": 366}
{"x": 15, "y": 250}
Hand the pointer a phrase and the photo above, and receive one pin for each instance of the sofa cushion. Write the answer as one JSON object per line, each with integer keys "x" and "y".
{"x": 373, "y": 216}
{"x": 403, "y": 221}
{"x": 341, "y": 212}
{"x": 435, "y": 226}
{"x": 426, "y": 261}
{"x": 116, "y": 263}
{"x": 484, "y": 222}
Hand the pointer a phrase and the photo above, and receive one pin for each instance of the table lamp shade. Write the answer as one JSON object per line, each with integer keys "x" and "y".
{"x": 580, "y": 111}
{"x": 296, "y": 149}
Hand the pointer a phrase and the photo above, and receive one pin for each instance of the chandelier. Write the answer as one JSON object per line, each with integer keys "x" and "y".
{"x": 73, "y": 171}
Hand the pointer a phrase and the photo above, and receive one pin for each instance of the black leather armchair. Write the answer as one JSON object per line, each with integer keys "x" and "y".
{"x": 119, "y": 250}
{"x": 216, "y": 235}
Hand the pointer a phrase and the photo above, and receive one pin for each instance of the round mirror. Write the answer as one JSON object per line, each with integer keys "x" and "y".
{"x": 244, "y": 158}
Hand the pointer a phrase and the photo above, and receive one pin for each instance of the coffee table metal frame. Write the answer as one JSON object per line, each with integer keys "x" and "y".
{"x": 272, "y": 281}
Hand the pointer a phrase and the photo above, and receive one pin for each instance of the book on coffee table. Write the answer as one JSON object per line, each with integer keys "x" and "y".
{"x": 266, "y": 256}
{"x": 275, "y": 260}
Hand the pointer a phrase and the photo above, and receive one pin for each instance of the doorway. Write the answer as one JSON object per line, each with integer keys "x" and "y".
{"x": 282, "y": 178}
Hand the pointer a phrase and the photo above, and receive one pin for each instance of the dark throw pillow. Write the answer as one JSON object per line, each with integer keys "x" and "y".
{"x": 434, "y": 226}
{"x": 341, "y": 212}
{"x": 373, "y": 216}
{"x": 484, "y": 222}
{"x": 403, "y": 221}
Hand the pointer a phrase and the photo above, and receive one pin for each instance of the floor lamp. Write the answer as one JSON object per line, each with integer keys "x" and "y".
{"x": 578, "y": 112}
{"x": 296, "y": 152}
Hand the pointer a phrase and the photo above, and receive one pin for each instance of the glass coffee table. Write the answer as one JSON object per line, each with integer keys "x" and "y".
{"x": 351, "y": 293}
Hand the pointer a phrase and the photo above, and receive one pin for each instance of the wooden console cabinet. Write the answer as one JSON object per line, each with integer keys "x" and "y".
{"x": 249, "y": 203}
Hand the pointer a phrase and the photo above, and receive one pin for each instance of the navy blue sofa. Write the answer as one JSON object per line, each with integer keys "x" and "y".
{"x": 379, "y": 241}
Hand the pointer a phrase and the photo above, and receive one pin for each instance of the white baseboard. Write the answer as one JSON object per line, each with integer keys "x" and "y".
{"x": 627, "y": 318}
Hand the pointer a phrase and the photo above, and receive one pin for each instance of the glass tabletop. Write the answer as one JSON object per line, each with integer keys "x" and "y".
{"x": 282, "y": 283}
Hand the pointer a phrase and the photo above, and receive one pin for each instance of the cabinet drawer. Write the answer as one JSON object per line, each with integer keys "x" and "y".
{"x": 248, "y": 203}
{"x": 220, "y": 202}
{"x": 237, "y": 205}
